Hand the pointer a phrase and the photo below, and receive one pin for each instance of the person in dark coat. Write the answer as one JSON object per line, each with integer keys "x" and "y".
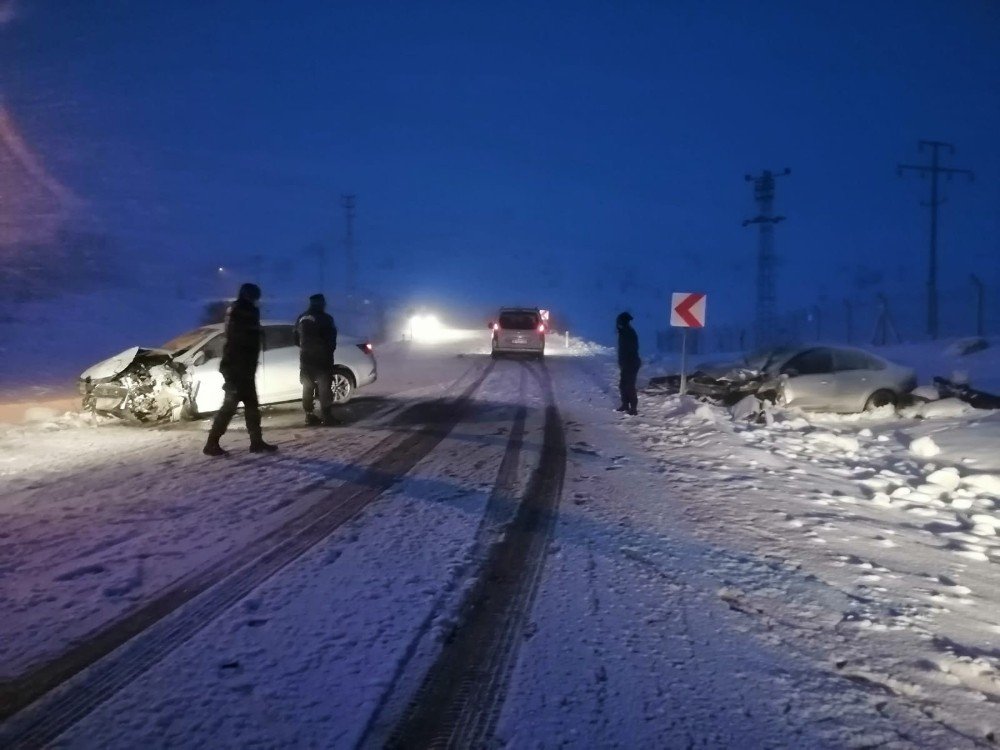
{"x": 239, "y": 369}
{"x": 316, "y": 337}
{"x": 628, "y": 363}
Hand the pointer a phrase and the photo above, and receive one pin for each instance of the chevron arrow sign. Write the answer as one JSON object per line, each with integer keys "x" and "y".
{"x": 687, "y": 309}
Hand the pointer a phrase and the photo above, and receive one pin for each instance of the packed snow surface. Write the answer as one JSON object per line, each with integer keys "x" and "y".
{"x": 812, "y": 581}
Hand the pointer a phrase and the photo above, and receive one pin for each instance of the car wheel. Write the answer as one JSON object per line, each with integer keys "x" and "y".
{"x": 343, "y": 386}
{"x": 880, "y": 399}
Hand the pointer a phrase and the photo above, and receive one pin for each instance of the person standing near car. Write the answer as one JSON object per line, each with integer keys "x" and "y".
{"x": 316, "y": 337}
{"x": 239, "y": 369}
{"x": 628, "y": 363}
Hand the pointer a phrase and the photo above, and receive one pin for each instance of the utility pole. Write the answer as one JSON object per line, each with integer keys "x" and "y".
{"x": 934, "y": 169}
{"x": 763, "y": 193}
{"x": 980, "y": 294}
{"x": 347, "y": 201}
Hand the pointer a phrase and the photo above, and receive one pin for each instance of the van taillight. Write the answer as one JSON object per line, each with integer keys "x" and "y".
{"x": 541, "y": 328}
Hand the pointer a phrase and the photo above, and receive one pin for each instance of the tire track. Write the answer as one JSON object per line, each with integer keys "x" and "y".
{"x": 499, "y": 510}
{"x": 459, "y": 702}
{"x": 69, "y": 687}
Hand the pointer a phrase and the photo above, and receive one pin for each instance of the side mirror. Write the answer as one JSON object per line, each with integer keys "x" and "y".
{"x": 199, "y": 359}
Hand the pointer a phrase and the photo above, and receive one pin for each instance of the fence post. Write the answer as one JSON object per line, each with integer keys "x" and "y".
{"x": 980, "y": 294}
{"x": 884, "y": 325}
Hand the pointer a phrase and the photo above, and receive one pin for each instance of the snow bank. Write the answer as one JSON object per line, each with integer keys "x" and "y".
{"x": 943, "y": 409}
{"x": 924, "y": 447}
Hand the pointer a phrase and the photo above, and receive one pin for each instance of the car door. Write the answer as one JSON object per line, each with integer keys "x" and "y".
{"x": 855, "y": 373}
{"x": 205, "y": 376}
{"x": 810, "y": 380}
{"x": 278, "y": 375}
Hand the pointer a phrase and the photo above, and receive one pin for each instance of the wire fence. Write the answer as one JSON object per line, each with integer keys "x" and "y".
{"x": 877, "y": 319}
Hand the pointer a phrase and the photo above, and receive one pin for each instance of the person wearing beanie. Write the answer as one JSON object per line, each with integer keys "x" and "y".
{"x": 239, "y": 369}
{"x": 628, "y": 363}
{"x": 316, "y": 337}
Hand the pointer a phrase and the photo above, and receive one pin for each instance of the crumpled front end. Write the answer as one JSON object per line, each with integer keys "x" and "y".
{"x": 152, "y": 388}
{"x": 725, "y": 388}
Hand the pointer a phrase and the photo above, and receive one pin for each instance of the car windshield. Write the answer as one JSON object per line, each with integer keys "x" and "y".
{"x": 765, "y": 359}
{"x": 186, "y": 340}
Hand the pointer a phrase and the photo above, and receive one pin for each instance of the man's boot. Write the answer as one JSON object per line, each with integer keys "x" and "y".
{"x": 259, "y": 446}
{"x": 329, "y": 420}
{"x": 622, "y": 408}
{"x": 212, "y": 447}
{"x": 312, "y": 420}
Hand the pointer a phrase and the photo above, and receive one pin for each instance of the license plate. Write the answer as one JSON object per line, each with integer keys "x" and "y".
{"x": 520, "y": 341}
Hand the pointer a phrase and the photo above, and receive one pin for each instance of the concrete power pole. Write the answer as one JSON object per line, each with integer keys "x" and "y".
{"x": 348, "y": 202}
{"x": 935, "y": 170}
{"x": 763, "y": 193}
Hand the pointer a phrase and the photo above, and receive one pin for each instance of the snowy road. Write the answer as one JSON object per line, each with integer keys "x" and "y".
{"x": 486, "y": 554}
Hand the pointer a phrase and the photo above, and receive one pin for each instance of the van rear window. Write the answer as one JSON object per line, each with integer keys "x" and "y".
{"x": 518, "y": 321}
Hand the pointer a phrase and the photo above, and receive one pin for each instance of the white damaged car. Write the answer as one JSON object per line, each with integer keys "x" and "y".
{"x": 181, "y": 379}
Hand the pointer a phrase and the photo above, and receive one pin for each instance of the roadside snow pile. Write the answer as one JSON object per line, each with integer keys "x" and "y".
{"x": 985, "y": 484}
{"x": 579, "y": 347}
{"x": 894, "y": 518}
{"x": 842, "y": 443}
{"x": 975, "y": 361}
{"x": 890, "y": 467}
{"x": 926, "y": 393}
{"x": 924, "y": 447}
{"x": 942, "y": 409}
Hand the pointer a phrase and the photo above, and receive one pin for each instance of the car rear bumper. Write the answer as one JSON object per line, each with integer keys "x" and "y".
{"x": 366, "y": 378}
{"x": 529, "y": 344}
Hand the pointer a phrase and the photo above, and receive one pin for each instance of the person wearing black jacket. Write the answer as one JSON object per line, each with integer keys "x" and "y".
{"x": 316, "y": 337}
{"x": 628, "y": 363}
{"x": 239, "y": 368}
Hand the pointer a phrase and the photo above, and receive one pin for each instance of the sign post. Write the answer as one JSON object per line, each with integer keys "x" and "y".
{"x": 687, "y": 310}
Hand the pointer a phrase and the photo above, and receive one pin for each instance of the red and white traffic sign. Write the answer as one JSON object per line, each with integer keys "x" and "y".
{"x": 687, "y": 309}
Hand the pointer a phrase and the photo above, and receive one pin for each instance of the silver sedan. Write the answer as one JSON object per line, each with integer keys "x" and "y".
{"x": 833, "y": 378}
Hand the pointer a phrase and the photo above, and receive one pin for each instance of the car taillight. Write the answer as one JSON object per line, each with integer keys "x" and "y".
{"x": 367, "y": 348}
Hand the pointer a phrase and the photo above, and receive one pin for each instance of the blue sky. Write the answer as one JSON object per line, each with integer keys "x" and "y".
{"x": 519, "y": 150}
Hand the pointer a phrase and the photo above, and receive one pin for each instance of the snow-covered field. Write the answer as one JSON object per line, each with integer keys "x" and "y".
{"x": 817, "y": 581}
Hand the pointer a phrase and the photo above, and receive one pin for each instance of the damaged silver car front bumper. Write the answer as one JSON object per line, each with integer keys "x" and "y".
{"x": 148, "y": 390}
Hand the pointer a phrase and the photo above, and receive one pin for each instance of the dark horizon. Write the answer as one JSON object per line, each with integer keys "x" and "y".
{"x": 598, "y": 150}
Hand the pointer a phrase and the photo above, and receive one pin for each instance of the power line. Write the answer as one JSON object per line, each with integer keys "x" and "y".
{"x": 934, "y": 169}
{"x": 765, "y": 324}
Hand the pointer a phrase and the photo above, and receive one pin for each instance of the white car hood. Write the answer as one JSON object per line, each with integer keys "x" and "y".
{"x": 115, "y": 365}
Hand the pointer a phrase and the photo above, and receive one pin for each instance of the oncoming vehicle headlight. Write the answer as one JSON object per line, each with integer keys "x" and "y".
{"x": 425, "y": 328}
